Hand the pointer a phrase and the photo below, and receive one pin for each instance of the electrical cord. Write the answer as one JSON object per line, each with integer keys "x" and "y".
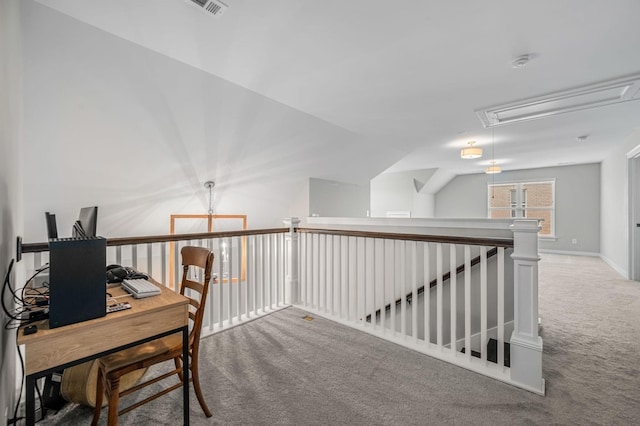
{"x": 16, "y": 321}
{"x": 15, "y": 411}
{"x": 7, "y": 283}
{"x": 15, "y": 315}
{"x": 36, "y": 273}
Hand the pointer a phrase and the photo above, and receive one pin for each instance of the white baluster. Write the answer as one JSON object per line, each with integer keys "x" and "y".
{"x": 427, "y": 295}
{"x": 467, "y": 301}
{"x": 271, "y": 265}
{"x": 239, "y": 280}
{"x": 134, "y": 256}
{"x": 229, "y": 280}
{"x": 281, "y": 261}
{"x": 393, "y": 288}
{"x": 453, "y": 293}
{"x": 347, "y": 266}
{"x": 119, "y": 255}
{"x": 374, "y": 263}
{"x": 279, "y": 268}
{"x": 176, "y": 269}
{"x": 253, "y": 274}
{"x": 317, "y": 267}
{"x": 340, "y": 281}
{"x": 309, "y": 270}
{"x": 305, "y": 267}
{"x": 439, "y": 296}
{"x": 149, "y": 259}
{"x": 163, "y": 262}
{"x": 328, "y": 276}
{"x": 363, "y": 275}
{"x": 220, "y": 286}
{"x": 500, "y": 306}
{"x": 414, "y": 291}
{"x": 483, "y": 303}
{"x": 245, "y": 268}
{"x": 403, "y": 293}
{"x": 383, "y": 302}
{"x": 310, "y": 265}
{"x": 263, "y": 275}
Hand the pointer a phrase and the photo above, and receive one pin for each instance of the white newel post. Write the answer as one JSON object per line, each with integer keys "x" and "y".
{"x": 292, "y": 295}
{"x": 526, "y": 345}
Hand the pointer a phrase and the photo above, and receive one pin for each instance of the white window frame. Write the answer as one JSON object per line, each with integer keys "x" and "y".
{"x": 520, "y": 209}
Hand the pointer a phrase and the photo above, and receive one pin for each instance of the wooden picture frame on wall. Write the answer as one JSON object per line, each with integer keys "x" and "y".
{"x": 210, "y": 218}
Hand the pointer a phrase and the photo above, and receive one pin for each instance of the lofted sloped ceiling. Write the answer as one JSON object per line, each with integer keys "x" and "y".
{"x": 408, "y": 74}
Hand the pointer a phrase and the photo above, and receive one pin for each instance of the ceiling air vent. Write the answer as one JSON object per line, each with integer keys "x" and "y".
{"x": 214, "y": 7}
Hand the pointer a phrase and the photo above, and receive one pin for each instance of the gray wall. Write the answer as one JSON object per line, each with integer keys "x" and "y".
{"x": 577, "y": 202}
{"x": 398, "y": 192}
{"x": 10, "y": 209}
{"x": 615, "y": 208}
{"x": 337, "y": 199}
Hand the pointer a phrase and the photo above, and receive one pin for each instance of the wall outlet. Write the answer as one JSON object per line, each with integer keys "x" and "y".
{"x": 574, "y": 241}
{"x": 40, "y": 280}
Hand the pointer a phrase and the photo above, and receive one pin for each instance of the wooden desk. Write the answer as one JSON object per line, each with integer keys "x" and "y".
{"x": 49, "y": 350}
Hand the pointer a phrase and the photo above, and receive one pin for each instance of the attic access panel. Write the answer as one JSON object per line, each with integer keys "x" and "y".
{"x": 585, "y": 97}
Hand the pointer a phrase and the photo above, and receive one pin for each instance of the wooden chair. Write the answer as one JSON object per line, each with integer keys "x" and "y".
{"x": 113, "y": 367}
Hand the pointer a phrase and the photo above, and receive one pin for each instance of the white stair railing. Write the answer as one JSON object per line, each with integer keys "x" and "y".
{"x": 449, "y": 297}
{"x": 453, "y": 298}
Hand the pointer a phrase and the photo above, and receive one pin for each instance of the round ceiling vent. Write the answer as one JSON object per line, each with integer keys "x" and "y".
{"x": 520, "y": 61}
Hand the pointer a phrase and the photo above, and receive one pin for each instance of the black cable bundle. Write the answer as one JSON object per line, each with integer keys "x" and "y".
{"x": 16, "y": 321}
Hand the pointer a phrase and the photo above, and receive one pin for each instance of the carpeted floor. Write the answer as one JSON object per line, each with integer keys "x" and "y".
{"x": 284, "y": 370}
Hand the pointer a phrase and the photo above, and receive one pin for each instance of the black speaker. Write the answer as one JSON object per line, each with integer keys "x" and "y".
{"x": 77, "y": 285}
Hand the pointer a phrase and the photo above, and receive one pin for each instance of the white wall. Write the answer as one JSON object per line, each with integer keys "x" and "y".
{"x": 577, "y": 202}
{"x": 10, "y": 183}
{"x": 337, "y": 199}
{"x": 399, "y": 191}
{"x": 112, "y": 124}
{"x": 614, "y": 204}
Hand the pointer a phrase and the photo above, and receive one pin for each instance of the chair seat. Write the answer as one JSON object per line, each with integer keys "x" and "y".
{"x": 170, "y": 346}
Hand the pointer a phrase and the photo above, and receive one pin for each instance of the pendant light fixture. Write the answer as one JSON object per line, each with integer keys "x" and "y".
{"x": 209, "y": 185}
{"x": 493, "y": 169}
{"x": 471, "y": 151}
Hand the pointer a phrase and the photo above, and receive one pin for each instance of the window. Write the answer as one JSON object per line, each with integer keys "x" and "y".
{"x": 534, "y": 200}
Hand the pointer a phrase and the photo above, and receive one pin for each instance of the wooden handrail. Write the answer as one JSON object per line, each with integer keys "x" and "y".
{"x": 473, "y": 241}
{"x": 42, "y": 247}
{"x": 445, "y": 277}
{"x": 123, "y": 241}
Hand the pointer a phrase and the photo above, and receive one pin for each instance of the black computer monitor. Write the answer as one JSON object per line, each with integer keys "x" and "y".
{"x": 87, "y": 222}
{"x": 52, "y": 228}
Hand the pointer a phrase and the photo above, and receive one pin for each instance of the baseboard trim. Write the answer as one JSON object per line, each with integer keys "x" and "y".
{"x": 615, "y": 267}
{"x": 570, "y": 253}
{"x": 606, "y": 260}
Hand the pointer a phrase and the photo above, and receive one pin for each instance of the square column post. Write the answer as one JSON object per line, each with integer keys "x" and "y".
{"x": 526, "y": 345}
{"x": 292, "y": 295}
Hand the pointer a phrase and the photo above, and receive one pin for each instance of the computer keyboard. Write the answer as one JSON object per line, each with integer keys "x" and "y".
{"x": 140, "y": 288}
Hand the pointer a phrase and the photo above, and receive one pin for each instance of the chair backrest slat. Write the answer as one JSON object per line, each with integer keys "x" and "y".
{"x": 202, "y": 258}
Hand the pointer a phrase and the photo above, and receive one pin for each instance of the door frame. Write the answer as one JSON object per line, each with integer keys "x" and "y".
{"x": 633, "y": 185}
